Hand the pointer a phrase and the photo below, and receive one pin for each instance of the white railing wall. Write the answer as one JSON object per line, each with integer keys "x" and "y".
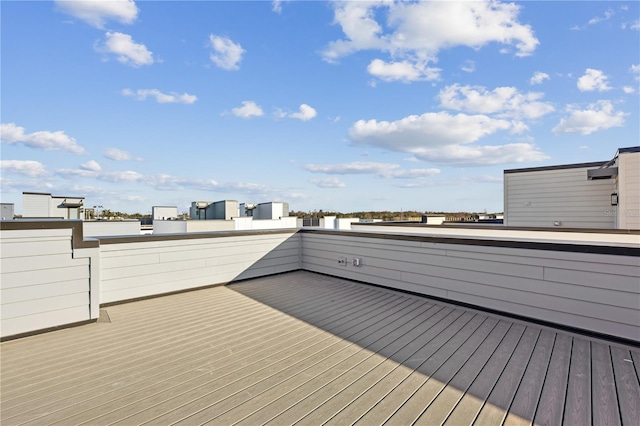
{"x": 44, "y": 282}
{"x": 157, "y": 265}
{"x": 595, "y": 292}
{"x": 51, "y": 275}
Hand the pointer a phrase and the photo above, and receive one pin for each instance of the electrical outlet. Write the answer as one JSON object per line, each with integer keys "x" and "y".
{"x": 342, "y": 261}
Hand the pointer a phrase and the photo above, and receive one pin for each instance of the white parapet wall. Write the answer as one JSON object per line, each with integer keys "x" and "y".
{"x": 589, "y": 287}
{"x": 45, "y": 278}
{"x": 52, "y": 276}
{"x": 103, "y": 228}
{"x": 151, "y": 265}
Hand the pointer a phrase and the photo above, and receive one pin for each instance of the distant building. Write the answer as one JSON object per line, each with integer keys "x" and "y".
{"x": 218, "y": 210}
{"x": 164, "y": 212}
{"x": 603, "y": 194}
{"x": 8, "y": 211}
{"x": 271, "y": 210}
{"x": 41, "y": 205}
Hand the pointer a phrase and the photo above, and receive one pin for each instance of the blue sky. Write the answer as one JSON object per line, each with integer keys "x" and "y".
{"x": 339, "y": 106}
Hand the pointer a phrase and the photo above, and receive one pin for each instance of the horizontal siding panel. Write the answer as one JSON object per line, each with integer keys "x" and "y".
{"x": 150, "y": 289}
{"x": 159, "y": 268}
{"x": 33, "y": 234}
{"x": 600, "y": 266}
{"x": 24, "y": 324}
{"x": 594, "y": 309}
{"x": 124, "y": 261}
{"x": 627, "y": 331}
{"x": 18, "y": 279}
{"x": 36, "y": 248}
{"x": 373, "y": 248}
{"x": 417, "y": 260}
{"x": 189, "y": 247}
{"x": 33, "y": 263}
{"x": 549, "y": 254}
{"x": 552, "y": 191}
{"x": 151, "y": 278}
{"x": 31, "y": 307}
{"x": 43, "y": 291}
{"x": 605, "y": 280}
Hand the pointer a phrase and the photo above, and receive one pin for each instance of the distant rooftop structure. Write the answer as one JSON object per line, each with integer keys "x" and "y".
{"x": 45, "y": 205}
{"x": 603, "y": 194}
{"x": 164, "y": 212}
{"x": 213, "y": 210}
{"x": 8, "y": 211}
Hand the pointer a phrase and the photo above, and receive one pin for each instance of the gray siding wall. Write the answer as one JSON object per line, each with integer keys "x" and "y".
{"x": 42, "y": 285}
{"x": 540, "y": 198}
{"x": 139, "y": 269}
{"x": 594, "y": 292}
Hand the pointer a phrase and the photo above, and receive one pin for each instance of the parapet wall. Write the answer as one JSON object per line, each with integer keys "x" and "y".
{"x": 52, "y": 276}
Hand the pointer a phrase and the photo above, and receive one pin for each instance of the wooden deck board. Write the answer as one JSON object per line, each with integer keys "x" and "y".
{"x": 577, "y": 406}
{"x": 551, "y": 406}
{"x": 627, "y": 386}
{"x": 309, "y": 348}
{"x": 604, "y": 396}
{"x": 496, "y": 407}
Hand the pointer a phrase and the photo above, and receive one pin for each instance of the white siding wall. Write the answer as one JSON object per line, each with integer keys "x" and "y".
{"x": 138, "y": 269}
{"x": 629, "y": 190}
{"x": 162, "y": 212}
{"x": 102, "y": 228}
{"x": 540, "y": 198}
{"x": 589, "y": 291}
{"x": 36, "y": 205}
{"x": 42, "y": 285}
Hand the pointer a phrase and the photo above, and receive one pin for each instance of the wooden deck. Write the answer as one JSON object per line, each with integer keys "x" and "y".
{"x": 312, "y": 349}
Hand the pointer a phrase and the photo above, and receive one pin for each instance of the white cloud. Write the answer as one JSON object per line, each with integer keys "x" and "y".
{"x": 607, "y": 15}
{"x": 75, "y": 173}
{"x": 483, "y": 155}
{"x": 445, "y": 138}
{"x": 504, "y": 101}
{"x": 45, "y": 140}
{"x": 355, "y": 168}
{"x": 593, "y": 80}
{"x": 162, "y": 98}
{"x": 116, "y": 154}
{"x": 96, "y": 13}
{"x": 538, "y": 77}
{"x": 598, "y": 116}
{"x": 385, "y": 170}
{"x": 276, "y": 5}
{"x": 126, "y": 50}
{"x": 404, "y": 71}
{"x": 468, "y": 66}
{"x": 413, "y": 133}
{"x": 91, "y": 166}
{"x": 23, "y": 167}
{"x": 306, "y": 113}
{"x": 247, "y": 110}
{"x": 414, "y": 32}
{"x": 331, "y": 182}
{"x": 226, "y": 54}
{"x": 628, "y": 90}
{"x": 635, "y": 69}
{"x": 121, "y": 176}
